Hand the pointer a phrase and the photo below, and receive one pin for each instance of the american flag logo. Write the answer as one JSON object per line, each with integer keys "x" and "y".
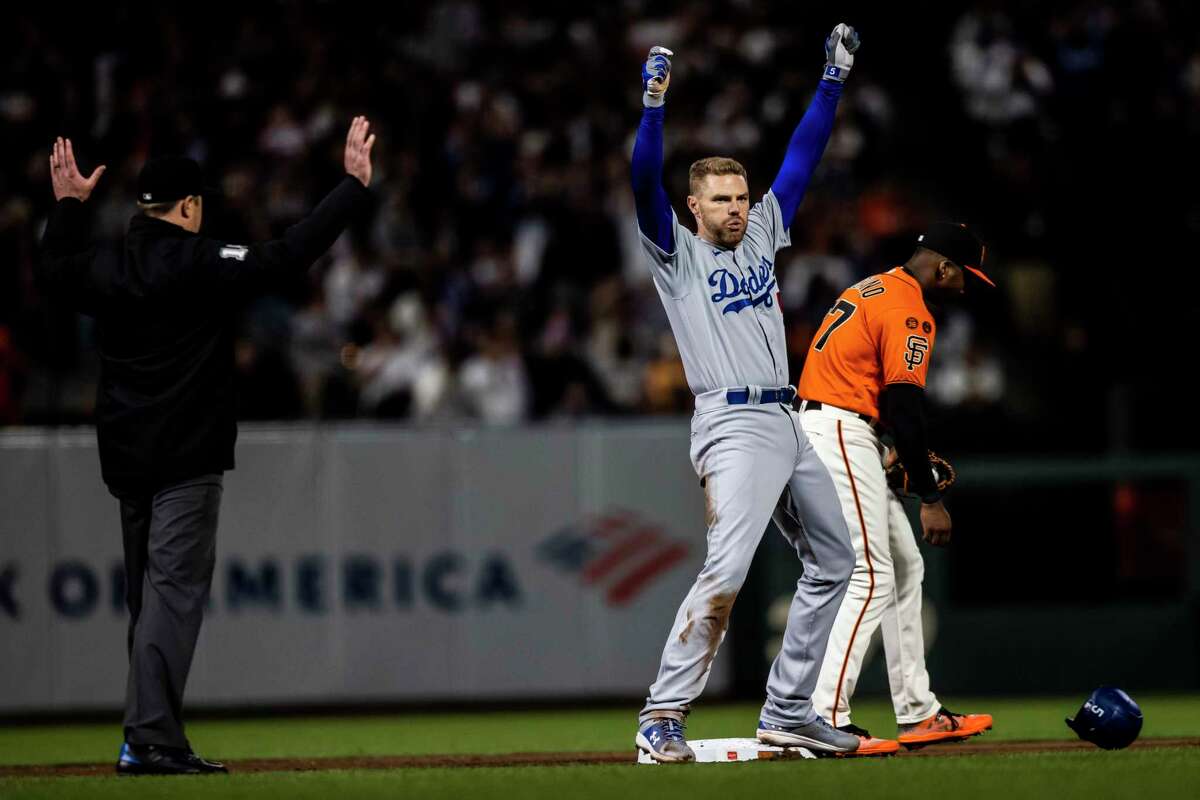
{"x": 619, "y": 553}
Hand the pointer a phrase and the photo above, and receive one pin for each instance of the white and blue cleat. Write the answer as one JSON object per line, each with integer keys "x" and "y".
{"x": 662, "y": 739}
{"x": 818, "y": 736}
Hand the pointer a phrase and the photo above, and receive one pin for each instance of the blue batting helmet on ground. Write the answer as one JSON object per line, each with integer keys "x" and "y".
{"x": 1108, "y": 719}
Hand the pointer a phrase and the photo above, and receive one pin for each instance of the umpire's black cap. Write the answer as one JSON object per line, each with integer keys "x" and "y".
{"x": 170, "y": 178}
{"x": 958, "y": 243}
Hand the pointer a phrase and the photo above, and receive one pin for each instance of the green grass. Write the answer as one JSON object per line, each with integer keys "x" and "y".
{"x": 531, "y": 731}
{"x": 1092, "y": 774}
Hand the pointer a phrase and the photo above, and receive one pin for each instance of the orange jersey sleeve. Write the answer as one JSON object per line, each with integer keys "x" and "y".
{"x": 905, "y": 336}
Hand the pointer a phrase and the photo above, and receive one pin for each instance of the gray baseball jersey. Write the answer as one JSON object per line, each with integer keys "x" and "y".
{"x": 724, "y": 304}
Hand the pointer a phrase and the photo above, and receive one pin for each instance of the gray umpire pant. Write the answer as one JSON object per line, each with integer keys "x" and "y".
{"x": 170, "y": 549}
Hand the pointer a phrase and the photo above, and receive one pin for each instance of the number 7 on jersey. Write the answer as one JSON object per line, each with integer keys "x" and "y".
{"x": 846, "y": 309}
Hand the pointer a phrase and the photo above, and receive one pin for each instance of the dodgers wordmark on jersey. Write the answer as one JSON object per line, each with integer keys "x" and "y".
{"x": 723, "y": 304}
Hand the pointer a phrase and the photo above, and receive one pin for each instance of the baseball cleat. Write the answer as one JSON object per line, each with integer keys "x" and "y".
{"x": 869, "y": 745}
{"x": 944, "y": 726}
{"x": 662, "y": 739}
{"x": 818, "y": 736}
{"x": 158, "y": 760}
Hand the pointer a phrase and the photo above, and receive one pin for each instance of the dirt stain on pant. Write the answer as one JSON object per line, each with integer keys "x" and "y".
{"x": 714, "y": 622}
{"x": 719, "y": 609}
{"x": 687, "y": 629}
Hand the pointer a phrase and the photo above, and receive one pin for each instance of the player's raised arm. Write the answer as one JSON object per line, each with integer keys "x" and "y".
{"x": 812, "y": 134}
{"x": 650, "y": 198}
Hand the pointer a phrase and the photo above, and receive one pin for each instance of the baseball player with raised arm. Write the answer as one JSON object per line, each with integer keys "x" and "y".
{"x": 868, "y": 362}
{"x": 753, "y": 459}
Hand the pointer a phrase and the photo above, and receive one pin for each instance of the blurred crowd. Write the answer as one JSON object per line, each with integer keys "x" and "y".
{"x": 499, "y": 276}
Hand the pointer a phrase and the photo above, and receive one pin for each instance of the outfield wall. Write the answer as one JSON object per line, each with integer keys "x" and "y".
{"x": 370, "y": 564}
{"x": 1063, "y": 574}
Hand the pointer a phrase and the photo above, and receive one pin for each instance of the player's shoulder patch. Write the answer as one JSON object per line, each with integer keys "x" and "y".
{"x": 911, "y": 323}
{"x": 915, "y": 349}
{"x": 234, "y": 251}
{"x": 926, "y": 326}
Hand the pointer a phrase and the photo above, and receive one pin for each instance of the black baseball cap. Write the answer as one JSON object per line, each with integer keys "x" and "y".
{"x": 957, "y": 242}
{"x": 170, "y": 178}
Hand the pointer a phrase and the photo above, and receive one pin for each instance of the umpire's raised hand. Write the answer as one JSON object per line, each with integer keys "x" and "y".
{"x": 66, "y": 178}
{"x": 358, "y": 150}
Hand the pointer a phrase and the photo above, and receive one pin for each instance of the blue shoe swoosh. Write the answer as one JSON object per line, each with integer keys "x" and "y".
{"x": 126, "y": 757}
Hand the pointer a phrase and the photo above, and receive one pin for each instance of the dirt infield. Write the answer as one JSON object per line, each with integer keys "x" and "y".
{"x": 558, "y": 759}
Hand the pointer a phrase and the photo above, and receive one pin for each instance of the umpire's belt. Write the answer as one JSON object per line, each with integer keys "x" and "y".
{"x": 817, "y": 405}
{"x": 744, "y": 395}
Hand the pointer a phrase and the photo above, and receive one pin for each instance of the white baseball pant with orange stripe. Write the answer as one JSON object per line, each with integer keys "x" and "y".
{"x": 885, "y": 588}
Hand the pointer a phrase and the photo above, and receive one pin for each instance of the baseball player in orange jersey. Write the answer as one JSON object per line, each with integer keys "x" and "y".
{"x": 867, "y": 363}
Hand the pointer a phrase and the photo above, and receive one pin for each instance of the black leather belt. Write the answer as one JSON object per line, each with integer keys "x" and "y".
{"x": 817, "y": 405}
{"x": 740, "y": 397}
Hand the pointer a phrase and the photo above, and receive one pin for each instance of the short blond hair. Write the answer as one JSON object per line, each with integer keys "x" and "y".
{"x": 716, "y": 165}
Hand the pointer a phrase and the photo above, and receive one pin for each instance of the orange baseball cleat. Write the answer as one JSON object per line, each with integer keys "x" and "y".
{"x": 868, "y": 745}
{"x": 944, "y": 726}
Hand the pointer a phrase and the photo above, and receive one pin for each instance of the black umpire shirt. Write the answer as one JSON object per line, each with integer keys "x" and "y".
{"x": 164, "y": 301}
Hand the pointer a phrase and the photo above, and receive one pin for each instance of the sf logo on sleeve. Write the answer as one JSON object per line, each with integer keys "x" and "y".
{"x": 918, "y": 346}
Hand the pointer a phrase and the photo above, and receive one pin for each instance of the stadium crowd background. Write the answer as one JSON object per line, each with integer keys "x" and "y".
{"x": 499, "y": 278}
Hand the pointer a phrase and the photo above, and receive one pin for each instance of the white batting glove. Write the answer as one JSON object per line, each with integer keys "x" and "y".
{"x": 656, "y": 76}
{"x": 840, "y": 48}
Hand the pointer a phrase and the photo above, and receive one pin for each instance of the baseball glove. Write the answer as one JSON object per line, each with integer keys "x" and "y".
{"x": 943, "y": 474}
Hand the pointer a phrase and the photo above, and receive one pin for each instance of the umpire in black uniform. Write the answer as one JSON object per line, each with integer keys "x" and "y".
{"x": 164, "y": 301}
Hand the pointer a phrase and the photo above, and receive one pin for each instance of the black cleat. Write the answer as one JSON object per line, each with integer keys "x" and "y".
{"x": 153, "y": 759}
